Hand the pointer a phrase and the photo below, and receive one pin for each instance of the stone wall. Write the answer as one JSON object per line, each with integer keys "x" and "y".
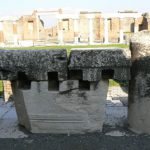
{"x": 139, "y": 93}
{"x": 56, "y": 94}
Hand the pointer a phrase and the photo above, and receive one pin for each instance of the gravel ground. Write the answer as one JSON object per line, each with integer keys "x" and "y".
{"x": 94, "y": 141}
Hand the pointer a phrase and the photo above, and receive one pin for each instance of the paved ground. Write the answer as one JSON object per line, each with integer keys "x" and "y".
{"x": 115, "y": 135}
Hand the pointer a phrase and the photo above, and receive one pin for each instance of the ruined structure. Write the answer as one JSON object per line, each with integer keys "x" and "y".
{"x": 54, "y": 94}
{"x": 139, "y": 93}
{"x": 71, "y": 27}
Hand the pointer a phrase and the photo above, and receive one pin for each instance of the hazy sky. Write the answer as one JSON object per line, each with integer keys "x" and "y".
{"x": 14, "y": 6}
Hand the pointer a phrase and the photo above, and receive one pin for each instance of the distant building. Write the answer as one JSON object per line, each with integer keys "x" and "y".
{"x": 72, "y": 27}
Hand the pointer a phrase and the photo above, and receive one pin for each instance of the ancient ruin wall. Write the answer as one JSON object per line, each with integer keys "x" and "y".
{"x": 139, "y": 88}
{"x": 56, "y": 94}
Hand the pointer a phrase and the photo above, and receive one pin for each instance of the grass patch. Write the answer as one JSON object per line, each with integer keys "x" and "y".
{"x": 116, "y": 83}
{"x": 1, "y": 87}
{"x": 67, "y": 47}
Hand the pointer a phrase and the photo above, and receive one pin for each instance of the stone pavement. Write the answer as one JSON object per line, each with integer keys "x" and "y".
{"x": 116, "y": 114}
{"x": 8, "y": 121}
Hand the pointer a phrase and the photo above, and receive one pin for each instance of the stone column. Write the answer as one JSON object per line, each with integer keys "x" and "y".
{"x": 139, "y": 86}
{"x": 121, "y": 34}
{"x": 76, "y": 31}
{"x": 136, "y": 26}
{"x": 15, "y": 34}
{"x": 148, "y": 22}
{"x": 91, "y": 36}
{"x": 60, "y": 32}
{"x": 1, "y": 26}
{"x": 106, "y": 30}
{"x": 1, "y": 33}
{"x": 37, "y": 26}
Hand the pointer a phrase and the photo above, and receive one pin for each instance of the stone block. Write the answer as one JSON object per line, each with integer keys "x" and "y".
{"x": 54, "y": 95}
{"x": 92, "y": 74}
{"x": 43, "y": 111}
{"x": 96, "y": 62}
{"x": 68, "y": 85}
{"x": 32, "y": 64}
{"x": 139, "y": 89}
{"x": 121, "y": 74}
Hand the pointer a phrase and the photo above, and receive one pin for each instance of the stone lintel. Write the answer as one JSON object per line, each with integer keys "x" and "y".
{"x": 94, "y": 62}
{"x": 32, "y": 64}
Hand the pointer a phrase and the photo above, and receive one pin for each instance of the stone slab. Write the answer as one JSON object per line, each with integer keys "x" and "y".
{"x": 35, "y": 64}
{"x": 99, "y": 57}
{"x": 92, "y": 62}
{"x": 55, "y": 112}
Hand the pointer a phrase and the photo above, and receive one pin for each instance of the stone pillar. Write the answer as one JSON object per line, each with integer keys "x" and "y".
{"x": 60, "y": 32}
{"x": 136, "y": 25}
{"x": 15, "y": 34}
{"x": 139, "y": 86}
{"x": 1, "y": 26}
{"x": 106, "y": 30}
{"x": 37, "y": 26}
{"x": 148, "y": 23}
{"x": 91, "y": 36}
{"x": 1, "y": 33}
{"x": 15, "y": 39}
{"x": 76, "y": 31}
{"x": 121, "y": 34}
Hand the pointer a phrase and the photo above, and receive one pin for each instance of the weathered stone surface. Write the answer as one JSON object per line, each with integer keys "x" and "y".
{"x": 34, "y": 64}
{"x": 68, "y": 85}
{"x": 92, "y": 74}
{"x": 76, "y": 111}
{"x": 20, "y": 107}
{"x": 99, "y": 57}
{"x": 139, "y": 89}
{"x": 122, "y": 74}
{"x": 50, "y": 98}
{"x": 139, "y": 45}
{"x": 94, "y": 61}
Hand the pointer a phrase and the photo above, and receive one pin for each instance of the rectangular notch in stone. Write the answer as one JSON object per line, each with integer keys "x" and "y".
{"x": 75, "y": 74}
{"x": 23, "y": 82}
{"x": 53, "y": 82}
{"x": 107, "y": 74}
{"x": 84, "y": 85}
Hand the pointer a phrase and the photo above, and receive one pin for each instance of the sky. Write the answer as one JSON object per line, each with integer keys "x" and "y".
{"x": 10, "y": 7}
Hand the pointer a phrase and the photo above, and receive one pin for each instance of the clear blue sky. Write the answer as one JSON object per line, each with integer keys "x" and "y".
{"x": 13, "y": 6}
